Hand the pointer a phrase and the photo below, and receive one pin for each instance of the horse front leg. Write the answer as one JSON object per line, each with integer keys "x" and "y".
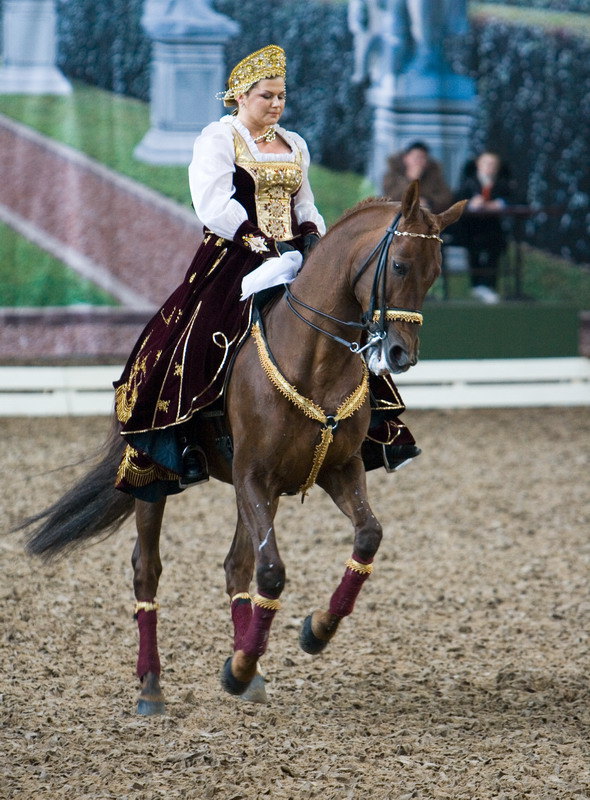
{"x": 147, "y": 569}
{"x": 239, "y": 569}
{"x": 254, "y": 545}
{"x": 347, "y": 487}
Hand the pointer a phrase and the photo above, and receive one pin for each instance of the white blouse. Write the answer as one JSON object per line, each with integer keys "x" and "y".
{"x": 211, "y": 177}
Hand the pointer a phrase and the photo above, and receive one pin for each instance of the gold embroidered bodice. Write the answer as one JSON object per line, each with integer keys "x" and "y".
{"x": 275, "y": 182}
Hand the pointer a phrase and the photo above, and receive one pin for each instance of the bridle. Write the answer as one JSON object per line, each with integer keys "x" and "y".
{"x": 375, "y": 320}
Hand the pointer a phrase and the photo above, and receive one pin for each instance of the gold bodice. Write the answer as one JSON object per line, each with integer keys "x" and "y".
{"x": 275, "y": 182}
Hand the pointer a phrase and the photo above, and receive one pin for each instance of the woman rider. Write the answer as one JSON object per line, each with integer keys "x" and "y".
{"x": 250, "y": 189}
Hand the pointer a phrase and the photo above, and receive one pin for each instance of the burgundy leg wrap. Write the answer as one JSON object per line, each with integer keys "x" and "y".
{"x": 255, "y": 639}
{"x": 343, "y": 599}
{"x": 148, "y": 659}
{"x": 241, "y": 614}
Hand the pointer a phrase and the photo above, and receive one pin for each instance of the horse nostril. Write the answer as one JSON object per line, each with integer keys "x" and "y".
{"x": 399, "y": 355}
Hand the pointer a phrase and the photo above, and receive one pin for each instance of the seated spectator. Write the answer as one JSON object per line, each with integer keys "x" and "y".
{"x": 415, "y": 163}
{"x": 487, "y": 186}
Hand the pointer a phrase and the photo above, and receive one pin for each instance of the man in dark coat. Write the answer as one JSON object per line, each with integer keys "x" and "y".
{"x": 487, "y": 186}
{"x": 415, "y": 163}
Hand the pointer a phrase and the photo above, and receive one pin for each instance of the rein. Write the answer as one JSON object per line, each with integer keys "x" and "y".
{"x": 374, "y": 316}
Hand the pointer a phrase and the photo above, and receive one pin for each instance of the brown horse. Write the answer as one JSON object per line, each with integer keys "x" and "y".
{"x": 361, "y": 289}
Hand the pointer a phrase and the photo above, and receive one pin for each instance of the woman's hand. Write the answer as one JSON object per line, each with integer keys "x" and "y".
{"x": 309, "y": 242}
{"x": 284, "y": 247}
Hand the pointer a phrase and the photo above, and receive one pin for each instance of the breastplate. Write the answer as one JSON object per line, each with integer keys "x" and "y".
{"x": 275, "y": 183}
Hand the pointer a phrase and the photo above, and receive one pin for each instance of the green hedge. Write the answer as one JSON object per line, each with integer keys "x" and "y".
{"x": 534, "y": 87}
{"x": 535, "y": 90}
{"x": 104, "y": 44}
{"x": 580, "y": 6}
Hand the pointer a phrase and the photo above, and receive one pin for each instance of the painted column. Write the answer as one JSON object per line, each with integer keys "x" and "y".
{"x": 187, "y": 70}
{"x": 413, "y": 92}
{"x": 29, "y": 49}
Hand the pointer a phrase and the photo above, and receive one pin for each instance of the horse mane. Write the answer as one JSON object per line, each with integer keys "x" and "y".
{"x": 377, "y": 202}
{"x": 368, "y": 202}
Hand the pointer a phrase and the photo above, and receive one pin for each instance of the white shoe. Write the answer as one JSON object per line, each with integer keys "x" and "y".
{"x": 485, "y": 295}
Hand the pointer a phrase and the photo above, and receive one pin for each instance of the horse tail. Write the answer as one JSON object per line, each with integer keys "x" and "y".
{"x": 92, "y": 506}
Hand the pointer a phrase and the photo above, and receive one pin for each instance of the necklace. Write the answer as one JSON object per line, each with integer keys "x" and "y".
{"x": 268, "y": 136}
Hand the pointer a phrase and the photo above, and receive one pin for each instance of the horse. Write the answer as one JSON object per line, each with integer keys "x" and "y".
{"x": 297, "y": 413}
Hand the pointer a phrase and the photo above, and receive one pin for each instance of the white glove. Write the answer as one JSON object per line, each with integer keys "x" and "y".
{"x": 272, "y": 272}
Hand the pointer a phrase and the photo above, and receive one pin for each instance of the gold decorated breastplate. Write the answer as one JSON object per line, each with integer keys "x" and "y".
{"x": 275, "y": 183}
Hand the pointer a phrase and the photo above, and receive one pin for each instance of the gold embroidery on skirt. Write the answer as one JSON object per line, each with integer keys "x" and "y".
{"x": 218, "y": 260}
{"x": 140, "y": 476}
{"x": 167, "y": 321}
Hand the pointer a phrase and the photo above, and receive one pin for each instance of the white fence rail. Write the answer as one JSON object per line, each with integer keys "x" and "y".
{"x": 461, "y": 383}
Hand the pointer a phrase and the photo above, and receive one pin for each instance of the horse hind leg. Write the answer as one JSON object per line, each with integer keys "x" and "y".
{"x": 147, "y": 570}
{"x": 348, "y": 490}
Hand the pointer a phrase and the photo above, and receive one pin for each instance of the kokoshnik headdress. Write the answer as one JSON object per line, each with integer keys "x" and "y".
{"x": 269, "y": 62}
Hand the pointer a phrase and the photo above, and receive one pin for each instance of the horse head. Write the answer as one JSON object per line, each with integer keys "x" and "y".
{"x": 404, "y": 263}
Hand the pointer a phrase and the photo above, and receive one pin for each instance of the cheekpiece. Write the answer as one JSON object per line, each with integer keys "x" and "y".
{"x": 269, "y": 62}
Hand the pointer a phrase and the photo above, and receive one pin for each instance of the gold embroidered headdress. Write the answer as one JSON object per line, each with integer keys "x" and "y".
{"x": 269, "y": 62}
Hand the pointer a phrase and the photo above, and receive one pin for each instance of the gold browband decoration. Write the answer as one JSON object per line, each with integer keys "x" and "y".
{"x": 419, "y": 235}
{"x": 356, "y": 566}
{"x": 146, "y": 605}
{"x": 266, "y": 602}
{"x": 392, "y": 314}
{"x": 346, "y": 409}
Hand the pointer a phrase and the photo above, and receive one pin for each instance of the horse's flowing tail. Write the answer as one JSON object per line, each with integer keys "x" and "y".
{"x": 92, "y": 506}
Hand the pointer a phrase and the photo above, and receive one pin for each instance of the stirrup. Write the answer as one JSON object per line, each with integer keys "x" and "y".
{"x": 397, "y": 456}
{"x": 194, "y": 467}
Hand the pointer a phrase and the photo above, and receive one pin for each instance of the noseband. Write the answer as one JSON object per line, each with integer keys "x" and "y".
{"x": 376, "y": 319}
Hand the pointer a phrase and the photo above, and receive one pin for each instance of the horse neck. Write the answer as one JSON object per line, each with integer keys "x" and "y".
{"x": 317, "y": 365}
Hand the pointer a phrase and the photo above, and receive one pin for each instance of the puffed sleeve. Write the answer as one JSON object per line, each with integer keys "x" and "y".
{"x": 305, "y": 208}
{"x": 211, "y": 181}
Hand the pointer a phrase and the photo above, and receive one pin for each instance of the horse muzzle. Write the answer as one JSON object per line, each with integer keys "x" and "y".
{"x": 391, "y": 355}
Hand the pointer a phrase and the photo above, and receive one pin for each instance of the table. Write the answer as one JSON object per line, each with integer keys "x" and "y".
{"x": 517, "y": 213}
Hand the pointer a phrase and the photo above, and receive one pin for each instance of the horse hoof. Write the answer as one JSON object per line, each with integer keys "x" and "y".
{"x": 308, "y": 641}
{"x": 150, "y": 708}
{"x": 230, "y": 683}
{"x": 151, "y": 700}
{"x": 256, "y": 691}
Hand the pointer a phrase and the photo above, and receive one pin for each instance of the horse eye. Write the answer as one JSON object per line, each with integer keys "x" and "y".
{"x": 400, "y": 269}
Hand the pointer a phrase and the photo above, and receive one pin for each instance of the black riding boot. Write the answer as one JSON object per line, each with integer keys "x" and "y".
{"x": 389, "y": 444}
{"x": 194, "y": 466}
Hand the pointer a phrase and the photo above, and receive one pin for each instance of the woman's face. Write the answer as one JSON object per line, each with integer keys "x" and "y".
{"x": 263, "y": 105}
{"x": 415, "y": 161}
{"x": 488, "y": 165}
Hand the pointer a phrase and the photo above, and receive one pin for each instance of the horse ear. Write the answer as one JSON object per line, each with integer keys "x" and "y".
{"x": 411, "y": 201}
{"x": 451, "y": 215}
